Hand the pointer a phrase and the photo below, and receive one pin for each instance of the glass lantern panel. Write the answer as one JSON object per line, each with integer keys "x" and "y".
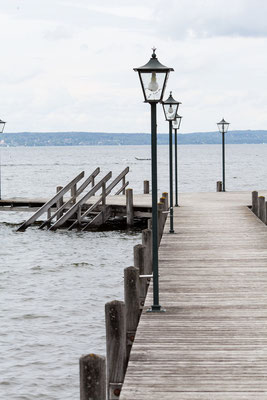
{"x": 153, "y": 83}
{"x": 170, "y": 111}
{"x": 2, "y": 125}
{"x": 223, "y": 127}
{"x": 226, "y": 126}
{"x": 175, "y": 124}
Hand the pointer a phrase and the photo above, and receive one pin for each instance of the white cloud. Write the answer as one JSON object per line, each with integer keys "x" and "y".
{"x": 69, "y": 65}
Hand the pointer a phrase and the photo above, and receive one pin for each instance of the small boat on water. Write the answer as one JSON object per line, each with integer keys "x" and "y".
{"x": 142, "y": 159}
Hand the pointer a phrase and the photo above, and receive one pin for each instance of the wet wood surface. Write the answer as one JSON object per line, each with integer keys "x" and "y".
{"x": 211, "y": 343}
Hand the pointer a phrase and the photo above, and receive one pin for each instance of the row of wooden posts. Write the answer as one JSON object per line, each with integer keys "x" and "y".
{"x": 259, "y": 206}
{"x": 101, "y": 377}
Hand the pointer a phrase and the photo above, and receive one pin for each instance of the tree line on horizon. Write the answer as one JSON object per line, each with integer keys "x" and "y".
{"x": 98, "y": 139}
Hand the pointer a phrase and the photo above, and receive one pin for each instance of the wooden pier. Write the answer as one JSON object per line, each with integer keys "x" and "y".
{"x": 211, "y": 343}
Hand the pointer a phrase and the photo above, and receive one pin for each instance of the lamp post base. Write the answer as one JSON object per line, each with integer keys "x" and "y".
{"x": 171, "y": 231}
{"x": 155, "y": 308}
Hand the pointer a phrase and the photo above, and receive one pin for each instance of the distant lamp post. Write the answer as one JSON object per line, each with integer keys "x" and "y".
{"x": 170, "y": 107}
{"x": 2, "y": 125}
{"x": 153, "y": 78}
{"x": 176, "y": 125}
{"x": 223, "y": 128}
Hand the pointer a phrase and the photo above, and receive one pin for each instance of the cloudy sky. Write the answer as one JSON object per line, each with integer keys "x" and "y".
{"x": 67, "y": 65}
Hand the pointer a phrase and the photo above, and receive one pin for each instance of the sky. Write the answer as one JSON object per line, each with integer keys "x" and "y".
{"x": 67, "y": 65}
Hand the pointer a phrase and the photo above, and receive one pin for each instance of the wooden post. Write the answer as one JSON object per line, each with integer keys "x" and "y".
{"x": 139, "y": 262}
{"x": 132, "y": 305}
{"x": 166, "y": 195}
{"x": 59, "y": 202}
{"x": 147, "y": 242}
{"x": 129, "y": 207}
{"x": 104, "y": 193}
{"x": 116, "y": 347}
{"x": 146, "y": 187}
{"x": 149, "y": 223}
{"x": 219, "y": 186}
{"x": 73, "y": 192}
{"x": 255, "y": 202}
{"x": 262, "y": 209}
{"x": 164, "y": 211}
{"x": 160, "y": 221}
{"x": 92, "y": 377}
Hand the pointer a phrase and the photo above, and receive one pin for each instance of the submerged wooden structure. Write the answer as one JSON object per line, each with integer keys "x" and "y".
{"x": 79, "y": 205}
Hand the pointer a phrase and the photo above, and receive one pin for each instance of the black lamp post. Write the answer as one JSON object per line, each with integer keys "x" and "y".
{"x": 176, "y": 125}
{"x": 2, "y": 125}
{"x": 223, "y": 128}
{"x": 170, "y": 107}
{"x": 153, "y": 77}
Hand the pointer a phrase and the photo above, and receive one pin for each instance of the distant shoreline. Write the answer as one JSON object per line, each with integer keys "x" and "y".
{"x": 38, "y": 139}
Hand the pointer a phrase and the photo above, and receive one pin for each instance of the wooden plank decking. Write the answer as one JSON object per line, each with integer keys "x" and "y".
{"x": 211, "y": 343}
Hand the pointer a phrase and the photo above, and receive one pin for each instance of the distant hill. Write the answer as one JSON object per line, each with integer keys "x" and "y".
{"x": 98, "y": 138}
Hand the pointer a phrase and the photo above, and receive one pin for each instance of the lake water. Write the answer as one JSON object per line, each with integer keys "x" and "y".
{"x": 53, "y": 285}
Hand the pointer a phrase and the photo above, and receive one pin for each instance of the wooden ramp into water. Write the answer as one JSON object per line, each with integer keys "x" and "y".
{"x": 211, "y": 343}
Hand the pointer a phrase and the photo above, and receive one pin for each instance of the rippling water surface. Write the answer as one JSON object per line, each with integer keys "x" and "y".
{"x": 53, "y": 285}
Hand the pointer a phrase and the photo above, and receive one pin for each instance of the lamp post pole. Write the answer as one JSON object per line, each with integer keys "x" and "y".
{"x": 154, "y": 179}
{"x": 171, "y": 177}
{"x": 170, "y": 108}
{"x": 176, "y": 126}
{"x": 223, "y": 128}
{"x": 223, "y": 160}
{"x": 176, "y": 167}
{"x": 2, "y": 125}
{"x": 153, "y": 78}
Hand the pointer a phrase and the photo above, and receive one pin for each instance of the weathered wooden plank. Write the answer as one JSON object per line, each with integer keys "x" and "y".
{"x": 211, "y": 342}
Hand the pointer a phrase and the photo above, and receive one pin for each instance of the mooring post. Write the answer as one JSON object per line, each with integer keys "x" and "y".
{"x": 146, "y": 187}
{"x": 219, "y": 186}
{"x": 116, "y": 347}
{"x": 129, "y": 207}
{"x": 255, "y": 204}
{"x": 262, "y": 209}
{"x": 166, "y": 195}
{"x": 164, "y": 211}
{"x": 160, "y": 221}
{"x": 132, "y": 305}
{"x": 139, "y": 262}
{"x": 92, "y": 377}
{"x": 147, "y": 242}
